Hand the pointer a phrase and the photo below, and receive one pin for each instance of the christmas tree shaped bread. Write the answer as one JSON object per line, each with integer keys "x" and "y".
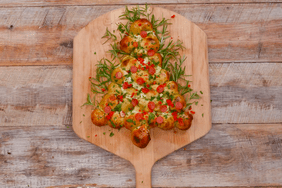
{"x": 141, "y": 95}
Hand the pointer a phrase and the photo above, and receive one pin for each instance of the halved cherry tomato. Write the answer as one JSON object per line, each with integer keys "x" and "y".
{"x": 138, "y": 116}
{"x": 151, "y": 52}
{"x": 178, "y": 105}
{"x": 133, "y": 69}
{"x": 163, "y": 108}
{"x": 160, "y": 119}
{"x": 118, "y": 75}
{"x": 134, "y": 102}
{"x": 143, "y": 34}
{"x": 151, "y": 105}
{"x": 160, "y": 89}
{"x": 152, "y": 70}
{"x": 140, "y": 81}
{"x": 107, "y": 109}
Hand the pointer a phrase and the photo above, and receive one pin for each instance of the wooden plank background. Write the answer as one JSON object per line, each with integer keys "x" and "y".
{"x": 39, "y": 148}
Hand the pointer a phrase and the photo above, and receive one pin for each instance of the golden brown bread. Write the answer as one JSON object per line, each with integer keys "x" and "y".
{"x": 140, "y": 95}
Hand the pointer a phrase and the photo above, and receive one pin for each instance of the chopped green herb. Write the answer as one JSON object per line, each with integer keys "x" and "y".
{"x": 104, "y": 133}
{"x": 112, "y": 134}
{"x": 201, "y": 92}
{"x": 88, "y": 136}
{"x": 95, "y": 53}
{"x": 202, "y": 114}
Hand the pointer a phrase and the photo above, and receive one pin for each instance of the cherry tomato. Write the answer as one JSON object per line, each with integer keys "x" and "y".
{"x": 151, "y": 52}
{"x": 134, "y": 102}
{"x": 107, "y": 109}
{"x": 118, "y": 75}
{"x": 163, "y": 108}
{"x": 143, "y": 34}
{"x": 151, "y": 105}
{"x": 160, "y": 119}
{"x": 178, "y": 105}
{"x": 133, "y": 69}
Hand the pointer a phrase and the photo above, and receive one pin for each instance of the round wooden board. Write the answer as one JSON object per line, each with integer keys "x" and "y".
{"x": 89, "y": 41}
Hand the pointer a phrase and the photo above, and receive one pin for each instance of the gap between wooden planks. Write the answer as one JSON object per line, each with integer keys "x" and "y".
{"x": 230, "y": 155}
{"x": 42, "y": 95}
{"x": 236, "y": 32}
{"x": 7, "y": 3}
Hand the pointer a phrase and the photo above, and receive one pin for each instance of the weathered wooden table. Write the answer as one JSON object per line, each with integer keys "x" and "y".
{"x": 39, "y": 148}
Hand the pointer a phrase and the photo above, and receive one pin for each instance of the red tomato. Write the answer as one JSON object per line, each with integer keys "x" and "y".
{"x": 118, "y": 75}
{"x": 174, "y": 113}
{"x": 168, "y": 101}
{"x": 125, "y": 85}
{"x": 103, "y": 89}
{"x": 192, "y": 112}
{"x": 160, "y": 119}
{"x": 151, "y": 105}
{"x": 133, "y": 69}
{"x": 140, "y": 59}
{"x": 135, "y": 44}
{"x": 151, "y": 52}
{"x": 140, "y": 81}
{"x": 107, "y": 109}
{"x": 109, "y": 116}
{"x": 152, "y": 70}
{"x": 163, "y": 108}
{"x": 178, "y": 105}
{"x": 180, "y": 121}
{"x": 138, "y": 116}
{"x": 160, "y": 89}
{"x": 173, "y": 16}
{"x": 143, "y": 34}
{"x": 134, "y": 102}
{"x": 145, "y": 90}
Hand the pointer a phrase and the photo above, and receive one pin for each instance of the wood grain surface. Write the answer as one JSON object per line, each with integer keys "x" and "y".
{"x": 89, "y": 49}
{"x": 40, "y": 149}
{"x": 42, "y": 95}
{"x": 122, "y": 2}
{"x": 236, "y": 32}
{"x": 230, "y": 155}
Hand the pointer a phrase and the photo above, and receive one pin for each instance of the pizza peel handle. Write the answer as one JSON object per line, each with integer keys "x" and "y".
{"x": 143, "y": 175}
{"x": 88, "y": 48}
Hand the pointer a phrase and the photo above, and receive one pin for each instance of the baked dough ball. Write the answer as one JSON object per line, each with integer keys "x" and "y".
{"x": 108, "y": 99}
{"x": 141, "y": 136}
{"x": 118, "y": 75}
{"x": 114, "y": 88}
{"x": 117, "y": 119}
{"x": 150, "y": 42}
{"x": 98, "y": 117}
{"x": 156, "y": 58}
{"x": 168, "y": 122}
{"x": 126, "y": 44}
{"x": 185, "y": 122}
{"x": 140, "y": 25}
{"x": 163, "y": 77}
{"x": 127, "y": 62}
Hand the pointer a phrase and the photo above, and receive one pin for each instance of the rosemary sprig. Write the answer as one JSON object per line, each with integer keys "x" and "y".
{"x": 103, "y": 76}
{"x": 135, "y": 13}
{"x": 156, "y": 24}
{"x": 171, "y": 51}
{"x": 109, "y": 36}
{"x": 115, "y": 52}
{"x": 89, "y": 102}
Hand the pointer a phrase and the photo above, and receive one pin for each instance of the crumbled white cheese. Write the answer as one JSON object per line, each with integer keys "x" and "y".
{"x": 128, "y": 79}
{"x": 138, "y": 38}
